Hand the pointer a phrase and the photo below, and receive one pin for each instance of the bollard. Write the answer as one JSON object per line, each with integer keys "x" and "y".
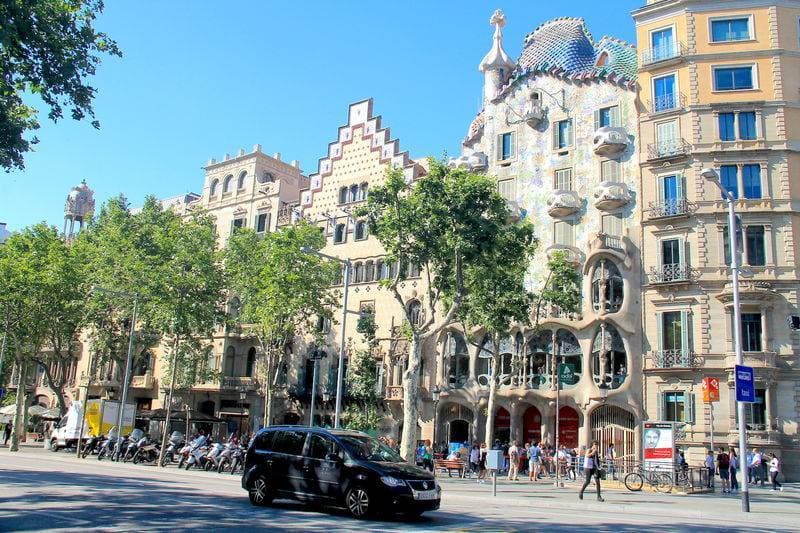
{"x": 494, "y": 483}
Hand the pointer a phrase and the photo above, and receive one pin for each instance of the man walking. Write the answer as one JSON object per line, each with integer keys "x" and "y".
{"x": 756, "y": 465}
{"x": 534, "y": 462}
{"x": 610, "y": 456}
{"x": 724, "y": 468}
{"x": 591, "y": 468}
{"x": 513, "y": 462}
{"x": 710, "y": 469}
{"x": 7, "y": 432}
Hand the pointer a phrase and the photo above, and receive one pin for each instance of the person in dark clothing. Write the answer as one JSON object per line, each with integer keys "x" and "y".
{"x": 7, "y": 433}
{"x": 591, "y": 467}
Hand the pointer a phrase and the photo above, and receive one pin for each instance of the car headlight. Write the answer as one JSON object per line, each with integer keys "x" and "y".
{"x": 392, "y": 481}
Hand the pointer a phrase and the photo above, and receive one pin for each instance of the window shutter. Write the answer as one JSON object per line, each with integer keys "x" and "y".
{"x": 681, "y": 186}
{"x": 597, "y": 119}
{"x": 512, "y": 152}
{"x": 661, "y": 196}
{"x": 499, "y": 147}
{"x": 660, "y": 403}
{"x": 615, "y": 118}
{"x": 689, "y": 411}
{"x": 685, "y": 331}
{"x": 555, "y": 135}
{"x": 569, "y": 133}
{"x": 660, "y": 330}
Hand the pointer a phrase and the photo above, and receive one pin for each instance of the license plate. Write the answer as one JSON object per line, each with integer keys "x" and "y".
{"x": 425, "y": 495}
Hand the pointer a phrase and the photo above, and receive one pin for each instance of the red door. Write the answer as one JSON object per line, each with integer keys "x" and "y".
{"x": 568, "y": 422}
{"x": 532, "y": 425}
{"x": 502, "y": 425}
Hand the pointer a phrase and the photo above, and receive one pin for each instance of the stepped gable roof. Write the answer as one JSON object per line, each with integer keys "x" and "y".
{"x": 564, "y": 47}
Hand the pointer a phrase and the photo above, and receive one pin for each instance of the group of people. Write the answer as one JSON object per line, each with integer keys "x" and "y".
{"x": 726, "y": 465}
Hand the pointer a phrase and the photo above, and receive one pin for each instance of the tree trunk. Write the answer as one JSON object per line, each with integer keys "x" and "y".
{"x": 56, "y": 387}
{"x": 19, "y": 415}
{"x": 489, "y": 437}
{"x": 408, "y": 440}
{"x": 169, "y": 403}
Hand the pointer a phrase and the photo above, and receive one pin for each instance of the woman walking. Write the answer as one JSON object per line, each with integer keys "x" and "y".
{"x": 734, "y": 465}
{"x": 774, "y": 470}
{"x": 591, "y": 467}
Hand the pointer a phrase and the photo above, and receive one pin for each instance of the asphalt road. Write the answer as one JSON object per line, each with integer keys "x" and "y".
{"x": 45, "y": 491}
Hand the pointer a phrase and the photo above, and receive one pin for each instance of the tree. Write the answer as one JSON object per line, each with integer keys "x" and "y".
{"x": 362, "y": 413}
{"x": 28, "y": 268}
{"x": 497, "y": 298}
{"x": 282, "y": 290}
{"x": 447, "y": 222}
{"x": 47, "y": 49}
{"x": 561, "y": 288}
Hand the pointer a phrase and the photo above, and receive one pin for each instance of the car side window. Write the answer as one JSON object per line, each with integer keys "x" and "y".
{"x": 321, "y": 447}
{"x": 264, "y": 441}
{"x": 290, "y": 442}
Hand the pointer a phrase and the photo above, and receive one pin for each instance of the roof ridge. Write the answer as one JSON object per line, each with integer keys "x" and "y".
{"x": 579, "y": 20}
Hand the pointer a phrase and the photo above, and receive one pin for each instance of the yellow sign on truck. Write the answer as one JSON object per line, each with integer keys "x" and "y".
{"x": 102, "y": 415}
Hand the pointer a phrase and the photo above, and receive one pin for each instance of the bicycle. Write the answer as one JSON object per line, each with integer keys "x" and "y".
{"x": 660, "y": 481}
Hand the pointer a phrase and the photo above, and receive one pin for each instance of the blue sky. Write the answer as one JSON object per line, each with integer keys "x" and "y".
{"x": 201, "y": 78}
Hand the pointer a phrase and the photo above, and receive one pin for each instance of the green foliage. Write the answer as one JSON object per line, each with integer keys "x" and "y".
{"x": 10, "y": 398}
{"x": 47, "y": 49}
{"x": 366, "y": 326}
{"x": 562, "y": 287}
{"x": 361, "y": 418}
{"x": 362, "y": 414}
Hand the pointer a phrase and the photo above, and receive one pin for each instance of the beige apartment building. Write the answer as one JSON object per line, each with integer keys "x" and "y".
{"x": 719, "y": 88}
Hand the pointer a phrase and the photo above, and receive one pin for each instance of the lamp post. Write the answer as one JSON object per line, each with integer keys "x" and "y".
{"x": 340, "y": 370}
{"x": 315, "y": 355}
{"x": 711, "y": 175}
{"x": 435, "y": 393}
{"x": 242, "y": 398}
{"x": 128, "y": 359}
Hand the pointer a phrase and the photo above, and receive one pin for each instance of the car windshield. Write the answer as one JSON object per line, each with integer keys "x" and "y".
{"x": 369, "y": 449}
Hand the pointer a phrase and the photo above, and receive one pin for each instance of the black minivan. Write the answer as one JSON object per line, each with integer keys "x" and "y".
{"x": 335, "y": 467}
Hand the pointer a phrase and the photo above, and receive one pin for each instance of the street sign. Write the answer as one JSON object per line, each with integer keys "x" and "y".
{"x": 745, "y": 384}
{"x": 710, "y": 390}
{"x": 566, "y": 373}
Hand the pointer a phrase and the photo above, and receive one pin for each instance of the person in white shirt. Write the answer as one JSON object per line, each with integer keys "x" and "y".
{"x": 513, "y": 462}
{"x": 774, "y": 470}
{"x": 711, "y": 469}
{"x": 757, "y": 466}
{"x": 591, "y": 467}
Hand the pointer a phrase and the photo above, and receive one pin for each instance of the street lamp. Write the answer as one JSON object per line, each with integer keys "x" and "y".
{"x": 435, "y": 393}
{"x": 127, "y": 378}
{"x": 340, "y": 370}
{"x": 315, "y": 355}
{"x": 711, "y": 175}
{"x": 242, "y": 398}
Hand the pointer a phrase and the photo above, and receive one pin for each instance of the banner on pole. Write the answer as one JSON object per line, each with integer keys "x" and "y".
{"x": 710, "y": 390}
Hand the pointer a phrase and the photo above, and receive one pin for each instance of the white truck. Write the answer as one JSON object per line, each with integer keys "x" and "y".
{"x": 101, "y": 416}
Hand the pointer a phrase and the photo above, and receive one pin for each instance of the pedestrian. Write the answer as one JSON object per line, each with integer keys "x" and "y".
{"x": 724, "y": 469}
{"x": 749, "y": 464}
{"x": 475, "y": 458}
{"x": 427, "y": 456}
{"x": 7, "y": 432}
{"x": 482, "y": 464}
{"x": 513, "y": 462}
{"x": 710, "y": 469}
{"x": 534, "y": 462}
{"x": 610, "y": 456}
{"x": 756, "y": 467}
{"x": 774, "y": 470}
{"x": 591, "y": 467}
{"x": 734, "y": 462}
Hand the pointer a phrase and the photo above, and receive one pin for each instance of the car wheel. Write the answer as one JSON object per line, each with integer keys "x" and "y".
{"x": 54, "y": 445}
{"x": 358, "y": 502}
{"x": 259, "y": 492}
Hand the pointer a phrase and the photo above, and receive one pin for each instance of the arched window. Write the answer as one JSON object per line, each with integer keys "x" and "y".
{"x": 538, "y": 361}
{"x": 227, "y": 183}
{"x": 339, "y": 234}
{"x": 609, "y": 363}
{"x": 415, "y": 312}
{"x": 266, "y": 177}
{"x": 240, "y": 181}
{"x": 142, "y": 364}
{"x": 506, "y": 358}
{"x": 607, "y": 288}
{"x": 343, "y": 195}
{"x": 369, "y": 271}
{"x": 339, "y": 276}
{"x": 394, "y": 268}
{"x": 251, "y": 362}
{"x": 483, "y": 369}
{"x": 379, "y": 267}
{"x": 458, "y": 360}
{"x": 569, "y": 353}
{"x": 361, "y": 230}
{"x": 354, "y": 193}
{"x": 363, "y": 191}
{"x": 213, "y": 189}
{"x": 359, "y": 273}
{"x": 413, "y": 270}
{"x": 230, "y": 361}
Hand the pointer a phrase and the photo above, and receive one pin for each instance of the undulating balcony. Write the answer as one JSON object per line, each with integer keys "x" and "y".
{"x": 535, "y": 115}
{"x": 143, "y": 382}
{"x": 610, "y": 195}
{"x": 675, "y": 273}
{"x": 610, "y": 141}
{"x": 666, "y": 103}
{"x": 660, "y": 54}
{"x": 677, "y": 359}
{"x": 677, "y": 207}
{"x": 563, "y": 203}
{"x": 669, "y": 149}
{"x": 475, "y": 162}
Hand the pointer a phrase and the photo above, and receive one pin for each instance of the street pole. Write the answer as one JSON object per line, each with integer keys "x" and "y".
{"x": 558, "y": 409}
{"x": 737, "y": 339}
{"x": 711, "y": 423}
{"x": 340, "y": 370}
{"x": 313, "y": 392}
{"x": 127, "y": 368}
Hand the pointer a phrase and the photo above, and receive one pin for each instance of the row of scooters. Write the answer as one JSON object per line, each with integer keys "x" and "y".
{"x": 200, "y": 452}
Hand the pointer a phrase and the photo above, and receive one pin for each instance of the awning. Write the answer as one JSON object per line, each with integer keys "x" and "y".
{"x": 176, "y": 415}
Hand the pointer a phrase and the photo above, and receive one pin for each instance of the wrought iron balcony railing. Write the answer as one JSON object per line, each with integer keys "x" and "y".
{"x": 668, "y": 148}
{"x": 658, "y": 54}
{"x": 668, "y": 208}
{"x": 674, "y": 359}
{"x": 670, "y": 273}
{"x": 667, "y": 102}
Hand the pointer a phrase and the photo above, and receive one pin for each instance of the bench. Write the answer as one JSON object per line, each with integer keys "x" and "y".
{"x": 449, "y": 465}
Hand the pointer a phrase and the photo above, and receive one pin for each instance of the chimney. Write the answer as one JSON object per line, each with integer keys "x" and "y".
{"x": 256, "y": 148}
{"x": 227, "y": 156}
{"x": 241, "y": 152}
{"x": 295, "y": 163}
{"x": 212, "y": 161}
{"x": 277, "y": 156}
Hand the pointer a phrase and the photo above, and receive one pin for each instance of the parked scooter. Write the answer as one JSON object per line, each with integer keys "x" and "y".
{"x": 109, "y": 445}
{"x": 135, "y": 439}
{"x": 197, "y": 451}
{"x": 91, "y": 446}
{"x": 224, "y": 459}
{"x": 212, "y": 458}
{"x": 173, "y": 446}
{"x": 146, "y": 452}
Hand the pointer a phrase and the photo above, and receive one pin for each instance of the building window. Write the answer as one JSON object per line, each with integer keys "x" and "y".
{"x": 611, "y": 225}
{"x": 751, "y": 181}
{"x": 672, "y": 252}
{"x": 662, "y": 45}
{"x": 756, "y": 255}
{"x": 607, "y": 117}
{"x": 266, "y": 177}
{"x": 339, "y": 234}
{"x": 262, "y": 222}
{"x": 608, "y": 358}
{"x": 747, "y": 125}
{"x": 755, "y": 413}
{"x": 746, "y": 129}
{"x": 237, "y": 223}
{"x": 230, "y": 361}
{"x": 664, "y": 93}
{"x": 353, "y": 196}
{"x": 323, "y": 324}
{"x": 674, "y": 407}
{"x": 362, "y": 191}
{"x": 729, "y": 175}
{"x": 343, "y": 195}
{"x": 610, "y": 170}
{"x": 415, "y": 312}
{"x": 251, "y": 362}
{"x": 563, "y": 179}
{"x": 369, "y": 271}
{"x": 505, "y": 146}
{"x": 671, "y": 192}
{"x": 727, "y": 128}
{"x": 213, "y": 188}
{"x": 361, "y": 230}
{"x": 673, "y": 339}
{"x": 607, "y": 287}
{"x": 508, "y": 189}
{"x": 227, "y": 183}
{"x": 358, "y": 270}
{"x": 562, "y": 134}
{"x": 240, "y": 181}
{"x": 751, "y": 332}
{"x": 458, "y": 371}
{"x": 379, "y": 270}
{"x": 564, "y": 233}
{"x": 734, "y": 29}
{"x": 733, "y": 78}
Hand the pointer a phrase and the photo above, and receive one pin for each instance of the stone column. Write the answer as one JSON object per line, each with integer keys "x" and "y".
{"x": 586, "y": 428}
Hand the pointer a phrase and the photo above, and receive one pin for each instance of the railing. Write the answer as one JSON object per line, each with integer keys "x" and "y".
{"x": 394, "y": 392}
{"x": 668, "y": 148}
{"x": 672, "y": 273}
{"x": 669, "y": 208}
{"x": 674, "y": 359}
{"x": 238, "y": 382}
{"x": 663, "y": 53}
{"x": 667, "y": 102}
{"x": 286, "y": 214}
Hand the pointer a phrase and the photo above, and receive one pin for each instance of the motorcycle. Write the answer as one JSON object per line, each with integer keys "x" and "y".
{"x": 147, "y": 451}
{"x": 134, "y": 439}
{"x": 211, "y": 458}
{"x": 224, "y": 458}
{"x": 175, "y": 443}
{"x": 237, "y": 459}
{"x": 109, "y": 445}
{"x": 196, "y": 452}
{"x": 93, "y": 445}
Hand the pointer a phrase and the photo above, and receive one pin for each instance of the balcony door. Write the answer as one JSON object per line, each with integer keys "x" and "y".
{"x": 671, "y": 193}
{"x": 666, "y": 137}
{"x": 664, "y": 93}
{"x": 671, "y": 252}
{"x": 662, "y": 43}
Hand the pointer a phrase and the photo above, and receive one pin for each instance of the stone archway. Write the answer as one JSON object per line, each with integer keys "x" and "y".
{"x": 613, "y": 424}
{"x": 458, "y": 431}
{"x": 532, "y": 425}
{"x": 452, "y": 412}
{"x": 502, "y": 425}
